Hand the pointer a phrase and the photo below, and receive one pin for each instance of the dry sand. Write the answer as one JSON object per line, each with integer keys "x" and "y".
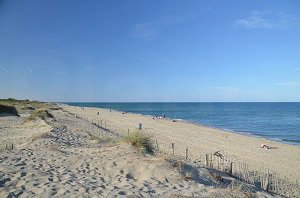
{"x": 201, "y": 140}
{"x": 70, "y": 157}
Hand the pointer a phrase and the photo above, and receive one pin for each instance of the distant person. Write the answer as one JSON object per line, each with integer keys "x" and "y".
{"x": 164, "y": 115}
{"x": 267, "y": 147}
{"x": 98, "y": 113}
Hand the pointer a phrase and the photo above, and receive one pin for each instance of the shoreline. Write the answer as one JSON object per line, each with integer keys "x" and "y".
{"x": 201, "y": 140}
{"x": 248, "y": 134}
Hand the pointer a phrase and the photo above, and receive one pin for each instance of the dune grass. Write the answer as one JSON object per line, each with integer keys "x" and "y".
{"x": 23, "y": 106}
{"x": 141, "y": 141}
{"x": 40, "y": 113}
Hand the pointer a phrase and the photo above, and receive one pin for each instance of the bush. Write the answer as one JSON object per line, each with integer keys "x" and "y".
{"x": 141, "y": 141}
{"x": 8, "y": 109}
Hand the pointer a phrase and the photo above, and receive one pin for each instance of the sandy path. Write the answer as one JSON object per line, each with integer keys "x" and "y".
{"x": 200, "y": 140}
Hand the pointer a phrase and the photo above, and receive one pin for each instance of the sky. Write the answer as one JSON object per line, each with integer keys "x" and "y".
{"x": 150, "y": 51}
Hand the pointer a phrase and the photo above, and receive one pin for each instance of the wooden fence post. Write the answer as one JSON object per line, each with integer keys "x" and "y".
{"x": 206, "y": 159}
{"x": 186, "y": 153}
{"x": 173, "y": 145}
{"x": 230, "y": 169}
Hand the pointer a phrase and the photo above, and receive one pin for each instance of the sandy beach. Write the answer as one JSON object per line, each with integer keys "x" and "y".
{"x": 285, "y": 160}
{"x": 73, "y": 158}
{"x": 62, "y": 153}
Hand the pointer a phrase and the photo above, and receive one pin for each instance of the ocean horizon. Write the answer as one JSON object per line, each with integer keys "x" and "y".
{"x": 279, "y": 121}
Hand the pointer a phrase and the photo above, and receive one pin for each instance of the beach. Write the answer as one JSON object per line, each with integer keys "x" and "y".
{"x": 66, "y": 156}
{"x": 53, "y": 150}
{"x": 284, "y": 160}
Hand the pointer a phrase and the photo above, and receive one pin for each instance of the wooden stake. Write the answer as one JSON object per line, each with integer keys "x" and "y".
{"x": 156, "y": 144}
{"x": 230, "y": 169}
{"x": 206, "y": 159}
{"x": 173, "y": 145}
{"x": 186, "y": 153}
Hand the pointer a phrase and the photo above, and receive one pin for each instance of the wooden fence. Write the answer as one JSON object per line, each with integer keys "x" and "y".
{"x": 262, "y": 178}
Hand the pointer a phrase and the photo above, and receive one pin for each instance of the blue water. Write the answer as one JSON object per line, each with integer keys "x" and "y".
{"x": 276, "y": 121}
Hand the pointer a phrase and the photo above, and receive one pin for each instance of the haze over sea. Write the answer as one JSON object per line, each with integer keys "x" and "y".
{"x": 272, "y": 120}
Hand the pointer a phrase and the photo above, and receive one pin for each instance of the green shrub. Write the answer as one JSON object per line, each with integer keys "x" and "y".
{"x": 141, "y": 141}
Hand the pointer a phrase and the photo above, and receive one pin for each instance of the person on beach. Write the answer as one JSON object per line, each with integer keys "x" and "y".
{"x": 267, "y": 147}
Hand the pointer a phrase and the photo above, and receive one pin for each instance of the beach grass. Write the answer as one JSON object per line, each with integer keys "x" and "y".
{"x": 40, "y": 113}
{"x": 141, "y": 141}
{"x": 25, "y": 105}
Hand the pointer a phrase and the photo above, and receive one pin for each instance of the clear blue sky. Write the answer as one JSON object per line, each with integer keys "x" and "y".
{"x": 138, "y": 50}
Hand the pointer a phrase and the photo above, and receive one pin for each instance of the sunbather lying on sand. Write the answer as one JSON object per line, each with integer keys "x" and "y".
{"x": 267, "y": 147}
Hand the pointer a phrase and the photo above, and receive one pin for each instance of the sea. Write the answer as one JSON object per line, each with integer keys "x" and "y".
{"x": 279, "y": 121}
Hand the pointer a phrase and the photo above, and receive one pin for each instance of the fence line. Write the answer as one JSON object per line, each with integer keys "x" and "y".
{"x": 262, "y": 178}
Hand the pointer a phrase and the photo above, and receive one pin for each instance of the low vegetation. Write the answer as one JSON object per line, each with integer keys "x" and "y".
{"x": 141, "y": 141}
{"x": 23, "y": 106}
{"x": 41, "y": 113}
{"x": 8, "y": 109}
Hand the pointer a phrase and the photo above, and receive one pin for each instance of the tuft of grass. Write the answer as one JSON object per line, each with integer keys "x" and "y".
{"x": 141, "y": 141}
{"x": 41, "y": 113}
{"x": 8, "y": 109}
